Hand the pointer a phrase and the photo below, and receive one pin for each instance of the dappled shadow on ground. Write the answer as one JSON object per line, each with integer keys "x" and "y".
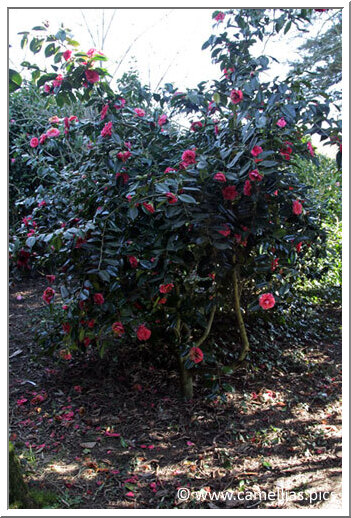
{"x": 106, "y": 435}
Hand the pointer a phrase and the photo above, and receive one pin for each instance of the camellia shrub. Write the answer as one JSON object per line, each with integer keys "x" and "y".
{"x": 156, "y": 228}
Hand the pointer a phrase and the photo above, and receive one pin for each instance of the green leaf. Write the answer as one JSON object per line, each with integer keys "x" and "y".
{"x": 50, "y": 50}
{"x": 132, "y": 213}
{"x": 39, "y": 28}
{"x": 186, "y": 198}
{"x": 31, "y": 241}
{"x": 15, "y": 80}
{"x": 35, "y": 45}
{"x": 44, "y": 78}
{"x": 104, "y": 275}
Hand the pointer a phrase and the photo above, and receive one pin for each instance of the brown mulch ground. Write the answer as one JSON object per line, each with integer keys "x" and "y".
{"x": 105, "y": 436}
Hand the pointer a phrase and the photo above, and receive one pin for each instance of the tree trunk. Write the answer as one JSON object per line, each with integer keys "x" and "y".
{"x": 244, "y": 340}
{"x": 18, "y": 492}
{"x": 186, "y": 380}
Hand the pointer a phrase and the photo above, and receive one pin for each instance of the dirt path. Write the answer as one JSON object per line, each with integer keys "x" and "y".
{"x": 111, "y": 436}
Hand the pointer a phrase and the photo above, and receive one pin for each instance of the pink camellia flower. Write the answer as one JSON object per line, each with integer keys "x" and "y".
{"x": 57, "y": 81}
{"x": 34, "y": 142}
{"x": 42, "y": 203}
{"x": 128, "y": 145}
{"x": 54, "y": 119}
{"x": 226, "y": 231}
{"x": 124, "y": 155}
{"x": 220, "y": 177}
{"x": 107, "y": 130}
{"x": 130, "y": 494}
{"x": 255, "y": 175}
{"x": 310, "y": 148}
{"x": 149, "y": 207}
{"x": 99, "y": 298}
{"x": 139, "y": 112}
{"x": 47, "y": 88}
{"x": 297, "y": 207}
{"x": 166, "y": 288}
{"x": 51, "y": 278}
{"x": 172, "y": 198}
{"x": 236, "y": 96}
{"x": 230, "y": 192}
{"x": 256, "y": 150}
{"x": 66, "y": 327}
{"x": 48, "y": 295}
{"x": 67, "y": 55}
{"x": 162, "y": 120}
{"x": 143, "y": 333}
{"x": 103, "y": 112}
{"x": 196, "y": 125}
{"x": 216, "y": 129}
{"x": 92, "y": 76}
{"x": 65, "y": 307}
{"x": 121, "y": 104}
{"x": 52, "y": 132}
{"x": 21, "y": 401}
{"x": 73, "y": 118}
{"x": 266, "y": 301}
{"x": 133, "y": 261}
{"x": 281, "y": 123}
{"x": 13, "y": 160}
{"x": 189, "y": 156}
{"x": 169, "y": 170}
{"x": 220, "y": 17}
{"x": 125, "y": 177}
{"x": 118, "y": 329}
{"x": 247, "y": 188}
{"x": 42, "y": 138}
{"x": 196, "y": 355}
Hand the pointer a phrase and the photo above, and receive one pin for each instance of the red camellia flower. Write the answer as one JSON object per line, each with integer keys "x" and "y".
{"x": 120, "y": 105}
{"x": 274, "y": 263}
{"x": 225, "y": 232}
{"x": 143, "y": 333}
{"x": 149, "y": 207}
{"x": 256, "y": 150}
{"x": 139, "y": 112}
{"x": 189, "y": 157}
{"x": 255, "y": 175}
{"x": 266, "y": 301}
{"x": 52, "y": 132}
{"x": 196, "y": 125}
{"x": 310, "y": 148}
{"x": 297, "y": 207}
{"x": 162, "y": 301}
{"x": 66, "y": 327}
{"x": 73, "y": 118}
{"x": 196, "y": 355}
{"x": 48, "y": 295}
{"x": 124, "y": 155}
{"x": 247, "y": 188}
{"x": 22, "y": 259}
{"x": 162, "y": 120}
{"x": 47, "y": 88}
{"x": 230, "y": 192}
{"x": 298, "y": 247}
{"x": 103, "y": 112}
{"x": 172, "y": 198}
{"x": 57, "y": 81}
{"x": 169, "y": 170}
{"x": 51, "y": 278}
{"x": 133, "y": 261}
{"x": 118, "y": 329}
{"x": 67, "y": 55}
{"x": 236, "y": 96}
{"x": 99, "y": 298}
{"x": 220, "y": 17}
{"x": 107, "y": 130}
{"x": 34, "y": 142}
{"x": 91, "y": 323}
{"x": 220, "y": 177}
{"x": 92, "y": 76}
{"x": 42, "y": 138}
{"x": 166, "y": 288}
